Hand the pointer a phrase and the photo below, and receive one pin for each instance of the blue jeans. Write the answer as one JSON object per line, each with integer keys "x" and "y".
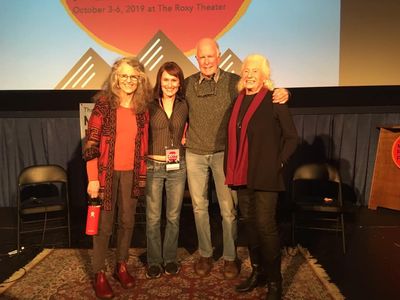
{"x": 198, "y": 166}
{"x": 175, "y": 187}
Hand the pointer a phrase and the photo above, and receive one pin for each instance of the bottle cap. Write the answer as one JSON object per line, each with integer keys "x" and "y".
{"x": 94, "y": 201}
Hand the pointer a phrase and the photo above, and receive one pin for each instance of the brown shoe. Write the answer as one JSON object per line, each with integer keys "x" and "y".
{"x": 230, "y": 269}
{"x": 101, "y": 286}
{"x": 122, "y": 275}
{"x": 203, "y": 266}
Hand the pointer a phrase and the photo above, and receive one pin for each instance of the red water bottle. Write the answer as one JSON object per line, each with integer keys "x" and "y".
{"x": 93, "y": 214}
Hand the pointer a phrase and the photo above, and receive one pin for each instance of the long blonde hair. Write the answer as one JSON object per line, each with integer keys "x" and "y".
{"x": 110, "y": 90}
{"x": 264, "y": 67}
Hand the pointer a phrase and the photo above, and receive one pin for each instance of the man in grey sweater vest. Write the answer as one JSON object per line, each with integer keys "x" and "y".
{"x": 210, "y": 94}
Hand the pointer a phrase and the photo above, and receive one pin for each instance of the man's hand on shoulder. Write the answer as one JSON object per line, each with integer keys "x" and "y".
{"x": 280, "y": 96}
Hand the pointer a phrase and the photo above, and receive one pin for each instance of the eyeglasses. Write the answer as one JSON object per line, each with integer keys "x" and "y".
{"x": 125, "y": 77}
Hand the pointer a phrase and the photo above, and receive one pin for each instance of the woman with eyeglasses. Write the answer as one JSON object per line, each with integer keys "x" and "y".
{"x": 115, "y": 151}
{"x": 166, "y": 168}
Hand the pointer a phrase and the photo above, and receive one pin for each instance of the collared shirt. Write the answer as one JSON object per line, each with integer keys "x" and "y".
{"x": 215, "y": 77}
{"x": 167, "y": 132}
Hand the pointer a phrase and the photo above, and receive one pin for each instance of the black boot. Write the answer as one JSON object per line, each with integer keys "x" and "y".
{"x": 274, "y": 291}
{"x": 257, "y": 278}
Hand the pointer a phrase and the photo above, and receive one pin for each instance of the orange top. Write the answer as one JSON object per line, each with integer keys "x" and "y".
{"x": 124, "y": 155}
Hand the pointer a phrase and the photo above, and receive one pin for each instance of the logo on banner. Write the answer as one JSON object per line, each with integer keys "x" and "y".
{"x": 396, "y": 152}
{"x": 126, "y": 26}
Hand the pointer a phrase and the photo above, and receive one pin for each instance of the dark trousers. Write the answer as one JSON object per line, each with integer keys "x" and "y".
{"x": 258, "y": 210}
{"x": 121, "y": 199}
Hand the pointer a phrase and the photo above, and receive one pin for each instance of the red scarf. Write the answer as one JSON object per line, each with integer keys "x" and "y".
{"x": 237, "y": 157}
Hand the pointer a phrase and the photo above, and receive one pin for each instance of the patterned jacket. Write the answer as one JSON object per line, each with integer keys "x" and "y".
{"x": 100, "y": 143}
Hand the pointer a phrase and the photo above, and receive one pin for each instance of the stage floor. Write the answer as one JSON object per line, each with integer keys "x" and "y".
{"x": 369, "y": 270}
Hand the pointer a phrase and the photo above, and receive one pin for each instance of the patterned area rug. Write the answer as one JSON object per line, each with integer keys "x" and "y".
{"x": 66, "y": 274}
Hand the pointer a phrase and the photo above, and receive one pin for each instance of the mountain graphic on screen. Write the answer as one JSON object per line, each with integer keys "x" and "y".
{"x": 88, "y": 73}
{"x": 159, "y": 50}
{"x": 91, "y": 69}
{"x": 230, "y": 62}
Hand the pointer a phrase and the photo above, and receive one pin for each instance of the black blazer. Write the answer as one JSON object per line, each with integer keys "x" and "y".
{"x": 272, "y": 139}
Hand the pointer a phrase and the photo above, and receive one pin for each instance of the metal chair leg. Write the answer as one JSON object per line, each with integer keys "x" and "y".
{"x": 18, "y": 233}
{"x": 293, "y": 228}
{"x": 343, "y": 233}
{"x": 69, "y": 230}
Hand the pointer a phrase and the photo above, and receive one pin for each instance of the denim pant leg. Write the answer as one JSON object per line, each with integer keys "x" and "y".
{"x": 175, "y": 187}
{"x": 198, "y": 174}
{"x": 228, "y": 206}
{"x": 154, "y": 188}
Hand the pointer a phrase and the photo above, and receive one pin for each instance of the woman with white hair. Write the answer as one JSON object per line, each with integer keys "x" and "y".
{"x": 261, "y": 138}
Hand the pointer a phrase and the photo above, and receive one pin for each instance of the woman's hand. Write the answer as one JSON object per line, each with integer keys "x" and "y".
{"x": 183, "y": 140}
{"x": 280, "y": 96}
{"x": 93, "y": 188}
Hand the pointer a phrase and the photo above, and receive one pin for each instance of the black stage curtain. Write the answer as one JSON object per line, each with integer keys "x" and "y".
{"x": 31, "y": 141}
{"x": 336, "y": 124}
{"x": 349, "y": 140}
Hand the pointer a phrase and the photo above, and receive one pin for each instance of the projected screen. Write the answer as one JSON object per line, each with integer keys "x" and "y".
{"x": 71, "y": 44}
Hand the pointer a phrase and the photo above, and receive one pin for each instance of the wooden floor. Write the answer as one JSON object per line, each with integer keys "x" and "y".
{"x": 369, "y": 270}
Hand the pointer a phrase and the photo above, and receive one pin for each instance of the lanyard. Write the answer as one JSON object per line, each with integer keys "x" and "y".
{"x": 170, "y": 127}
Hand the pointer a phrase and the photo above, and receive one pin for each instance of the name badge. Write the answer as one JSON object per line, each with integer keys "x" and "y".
{"x": 172, "y": 159}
